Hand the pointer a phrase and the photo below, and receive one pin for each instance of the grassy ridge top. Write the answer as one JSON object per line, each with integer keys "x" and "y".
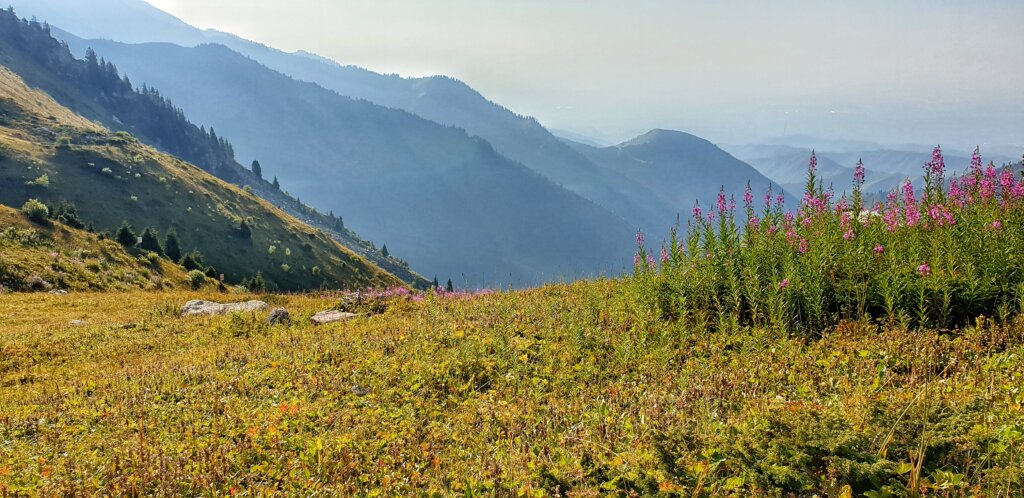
{"x": 113, "y": 177}
{"x": 34, "y": 257}
{"x": 566, "y": 389}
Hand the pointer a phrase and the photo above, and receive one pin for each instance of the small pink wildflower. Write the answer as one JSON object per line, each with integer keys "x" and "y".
{"x": 924, "y": 270}
{"x": 784, "y": 283}
{"x": 803, "y": 246}
{"x": 848, "y": 235}
{"x": 996, "y": 225}
{"x": 879, "y": 250}
{"x": 664, "y": 255}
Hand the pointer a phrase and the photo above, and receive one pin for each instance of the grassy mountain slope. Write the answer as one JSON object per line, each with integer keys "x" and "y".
{"x": 113, "y": 177}
{"x": 448, "y": 200}
{"x": 55, "y": 256}
{"x": 95, "y": 89}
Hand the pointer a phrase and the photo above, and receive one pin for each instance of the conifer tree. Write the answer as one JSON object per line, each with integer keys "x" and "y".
{"x": 125, "y": 235}
{"x": 244, "y": 230}
{"x": 435, "y": 284}
{"x": 384, "y": 251}
{"x": 277, "y": 185}
{"x": 150, "y": 241}
{"x": 257, "y": 169}
{"x": 172, "y": 246}
{"x": 449, "y": 287}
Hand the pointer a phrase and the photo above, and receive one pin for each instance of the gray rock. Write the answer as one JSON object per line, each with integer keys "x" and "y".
{"x": 209, "y": 308}
{"x": 279, "y": 316}
{"x": 59, "y": 292}
{"x": 77, "y": 322}
{"x": 359, "y": 390}
{"x": 331, "y": 316}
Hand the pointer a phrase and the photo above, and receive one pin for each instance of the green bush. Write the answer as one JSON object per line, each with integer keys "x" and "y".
{"x": 196, "y": 278}
{"x": 43, "y": 181}
{"x": 36, "y": 211}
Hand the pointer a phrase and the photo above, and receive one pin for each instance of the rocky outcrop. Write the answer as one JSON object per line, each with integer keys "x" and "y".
{"x": 210, "y": 308}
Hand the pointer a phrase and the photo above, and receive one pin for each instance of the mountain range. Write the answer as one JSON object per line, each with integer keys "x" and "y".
{"x": 455, "y": 183}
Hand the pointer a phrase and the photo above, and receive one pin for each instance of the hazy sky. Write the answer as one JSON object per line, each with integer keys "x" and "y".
{"x": 893, "y": 71}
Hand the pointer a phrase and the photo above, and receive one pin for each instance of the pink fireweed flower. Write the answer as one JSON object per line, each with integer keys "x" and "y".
{"x": 636, "y": 260}
{"x": 754, "y": 223}
{"x": 721, "y": 201}
{"x": 858, "y": 173}
{"x": 1006, "y": 182}
{"x": 937, "y": 166}
{"x": 911, "y": 212}
{"x": 711, "y": 216}
{"x": 812, "y": 164}
{"x": 848, "y": 235}
{"x": 1018, "y": 190}
{"x": 780, "y": 200}
{"x": 996, "y": 225}
{"x": 697, "y": 215}
{"x": 924, "y": 270}
{"x": 788, "y": 217}
{"x": 804, "y": 246}
{"x": 732, "y": 204}
{"x": 986, "y": 188}
{"x": 639, "y": 238}
{"x": 650, "y": 262}
{"x": 748, "y": 196}
{"x": 807, "y": 222}
{"x": 879, "y": 250}
{"x": 955, "y": 192}
{"x": 844, "y": 219}
{"x": 772, "y": 229}
{"x": 664, "y": 254}
{"x": 976, "y": 163}
{"x": 768, "y": 198}
{"x": 784, "y": 284}
{"x": 908, "y": 193}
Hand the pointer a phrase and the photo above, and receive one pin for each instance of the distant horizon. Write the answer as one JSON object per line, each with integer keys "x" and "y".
{"x": 740, "y": 72}
{"x": 910, "y": 73}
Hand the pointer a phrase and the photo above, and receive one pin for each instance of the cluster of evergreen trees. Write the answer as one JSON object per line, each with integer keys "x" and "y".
{"x": 149, "y": 241}
{"x": 142, "y": 112}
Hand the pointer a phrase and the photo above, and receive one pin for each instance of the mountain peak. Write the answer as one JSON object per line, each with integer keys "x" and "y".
{"x": 666, "y": 138}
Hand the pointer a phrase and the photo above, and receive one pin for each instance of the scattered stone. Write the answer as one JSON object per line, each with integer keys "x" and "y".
{"x": 77, "y": 322}
{"x": 331, "y": 316}
{"x": 279, "y": 316}
{"x": 59, "y": 292}
{"x": 127, "y": 326}
{"x": 359, "y": 390}
{"x": 210, "y": 308}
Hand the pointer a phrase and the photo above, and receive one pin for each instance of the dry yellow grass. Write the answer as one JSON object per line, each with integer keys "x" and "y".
{"x": 571, "y": 390}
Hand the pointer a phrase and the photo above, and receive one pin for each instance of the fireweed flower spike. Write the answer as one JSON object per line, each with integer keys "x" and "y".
{"x": 639, "y": 238}
{"x": 784, "y": 283}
